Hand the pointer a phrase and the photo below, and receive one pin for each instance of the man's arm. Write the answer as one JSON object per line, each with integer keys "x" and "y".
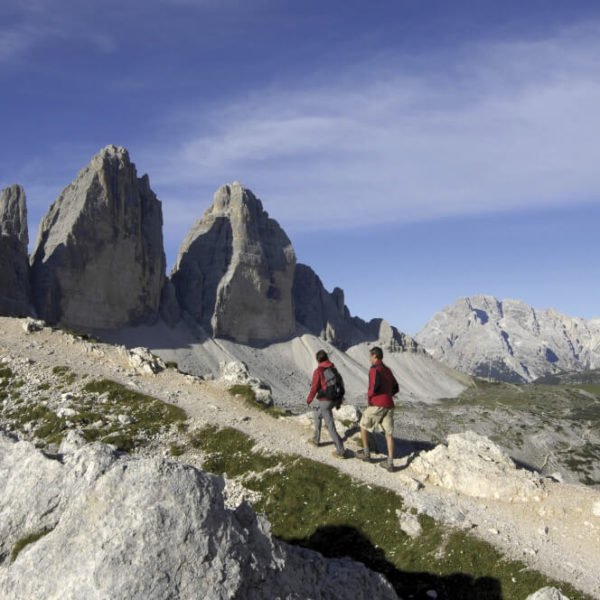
{"x": 315, "y": 386}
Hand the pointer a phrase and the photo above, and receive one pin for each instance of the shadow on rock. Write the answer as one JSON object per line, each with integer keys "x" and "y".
{"x": 338, "y": 541}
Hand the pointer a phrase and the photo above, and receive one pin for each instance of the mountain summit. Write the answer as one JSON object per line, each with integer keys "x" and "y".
{"x": 235, "y": 270}
{"x": 99, "y": 261}
{"x": 509, "y": 340}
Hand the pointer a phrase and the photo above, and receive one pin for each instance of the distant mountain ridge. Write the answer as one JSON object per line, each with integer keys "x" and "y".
{"x": 509, "y": 340}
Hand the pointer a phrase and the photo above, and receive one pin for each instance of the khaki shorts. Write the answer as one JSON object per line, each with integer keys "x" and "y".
{"x": 376, "y": 415}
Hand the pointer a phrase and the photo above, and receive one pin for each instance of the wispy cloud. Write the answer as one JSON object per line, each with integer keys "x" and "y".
{"x": 36, "y": 22}
{"x": 502, "y": 127}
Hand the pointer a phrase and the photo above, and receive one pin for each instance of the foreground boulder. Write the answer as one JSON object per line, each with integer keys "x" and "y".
{"x": 235, "y": 271}
{"x": 14, "y": 262}
{"x": 99, "y": 261}
{"x": 112, "y": 526}
{"x": 473, "y": 465}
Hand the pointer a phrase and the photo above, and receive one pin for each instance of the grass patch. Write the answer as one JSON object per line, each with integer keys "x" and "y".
{"x": 149, "y": 415}
{"x": 176, "y": 449}
{"x": 315, "y": 506}
{"x": 65, "y": 373}
{"x": 46, "y": 424}
{"x": 6, "y": 373}
{"x": 26, "y": 541}
{"x": 249, "y": 397}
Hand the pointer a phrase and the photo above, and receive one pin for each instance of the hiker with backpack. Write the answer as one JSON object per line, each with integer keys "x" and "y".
{"x": 380, "y": 412}
{"x": 328, "y": 388}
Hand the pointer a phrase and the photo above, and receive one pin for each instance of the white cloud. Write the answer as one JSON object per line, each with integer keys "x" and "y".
{"x": 505, "y": 127}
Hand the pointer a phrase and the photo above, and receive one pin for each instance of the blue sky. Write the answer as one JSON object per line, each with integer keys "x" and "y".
{"x": 415, "y": 151}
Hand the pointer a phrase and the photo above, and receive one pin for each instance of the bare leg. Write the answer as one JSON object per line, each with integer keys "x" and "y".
{"x": 389, "y": 439}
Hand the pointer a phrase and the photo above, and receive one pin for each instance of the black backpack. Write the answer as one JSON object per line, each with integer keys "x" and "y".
{"x": 334, "y": 389}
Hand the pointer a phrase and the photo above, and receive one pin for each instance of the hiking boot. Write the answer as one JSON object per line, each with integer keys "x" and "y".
{"x": 344, "y": 454}
{"x": 312, "y": 442}
{"x": 363, "y": 455}
{"x": 389, "y": 467}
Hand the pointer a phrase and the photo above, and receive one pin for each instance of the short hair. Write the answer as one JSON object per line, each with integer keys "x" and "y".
{"x": 322, "y": 356}
{"x": 377, "y": 352}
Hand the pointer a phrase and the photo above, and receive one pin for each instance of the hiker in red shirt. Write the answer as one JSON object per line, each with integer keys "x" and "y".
{"x": 380, "y": 412}
{"x": 323, "y": 407}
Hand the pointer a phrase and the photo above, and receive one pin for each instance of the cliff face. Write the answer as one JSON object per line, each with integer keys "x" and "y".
{"x": 235, "y": 270}
{"x": 99, "y": 259}
{"x": 14, "y": 262}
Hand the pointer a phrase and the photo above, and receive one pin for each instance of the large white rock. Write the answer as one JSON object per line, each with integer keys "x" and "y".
{"x": 235, "y": 270}
{"x": 123, "y": 527}
{"x": 509, "y": 340}
{"x": 99, "y": 261}
{"x": 473, "y": 465}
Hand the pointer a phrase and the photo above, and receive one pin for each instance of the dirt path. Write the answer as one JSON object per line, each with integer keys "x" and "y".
{"x": 559, "y": 535}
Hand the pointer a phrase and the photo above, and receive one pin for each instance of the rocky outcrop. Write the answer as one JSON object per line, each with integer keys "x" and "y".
{"x": 234, "y": 373}
{"x": 473, "y": 465}
{"x": 98, "y": 525}
{"x": 235, "y": 271}
{"x": 326, "y": 315}
{"x": 13, "y": 214}
{"x": 14, "y": 262}
{"x": 99, "y": 261}
{"x": 510, "y": 341}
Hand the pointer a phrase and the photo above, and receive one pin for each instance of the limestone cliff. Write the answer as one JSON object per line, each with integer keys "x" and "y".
{"x": 14, "y": 263}
{"x": 235, "y": 270}
{"x": 99, "y": 261}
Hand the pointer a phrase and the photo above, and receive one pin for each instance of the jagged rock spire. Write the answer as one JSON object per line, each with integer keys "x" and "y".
{"x": 235, "y": 270}
{"x": 14, "y": 263}
{"x": 99, "y": 260}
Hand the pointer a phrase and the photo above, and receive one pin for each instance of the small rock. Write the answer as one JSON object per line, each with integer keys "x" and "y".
{"x": 125, "y": 419}
{"x": 547, "y": 593}
{"x": 409, "y": 523}
{"x": 65, "y": 412}
{"x": 72, "y": 442}
{"x": 32, "y": 325}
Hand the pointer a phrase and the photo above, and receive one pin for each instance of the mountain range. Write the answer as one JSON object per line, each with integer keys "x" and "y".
{"x": 508, "y": 340}
{"x": 236, "y": 291}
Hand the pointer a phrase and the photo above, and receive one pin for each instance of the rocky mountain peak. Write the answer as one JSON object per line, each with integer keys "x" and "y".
{"x": 510, "y": 340}
{"x": 14, "y": 262}
{"x": 235, "y": 270}
{"x": 99, "y": 261}
{"x": 13, "y": 213}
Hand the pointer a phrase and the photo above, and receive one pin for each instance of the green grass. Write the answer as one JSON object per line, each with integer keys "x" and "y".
{"x": 314, "y": 505}
{"x": 26, "y": 541}
{"x": 149, "y": 415}
{"x": 47, "y": 425}
{"x": 66, "y": 374}
{"x": 6, "y": 373}
{"x": 249, "y": 398}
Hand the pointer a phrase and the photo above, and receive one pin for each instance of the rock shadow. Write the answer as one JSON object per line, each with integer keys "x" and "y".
{"x": 338, "y": 541}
